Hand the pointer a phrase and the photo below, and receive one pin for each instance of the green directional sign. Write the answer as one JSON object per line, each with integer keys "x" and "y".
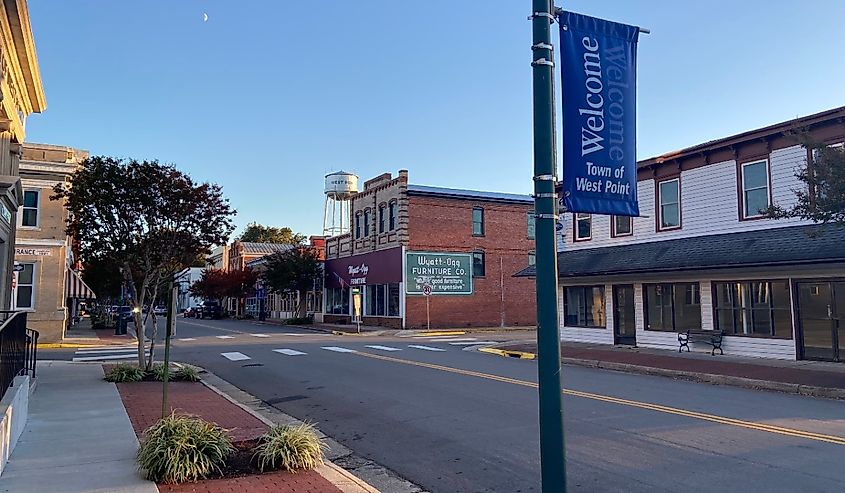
{"x": 446, "y": 273}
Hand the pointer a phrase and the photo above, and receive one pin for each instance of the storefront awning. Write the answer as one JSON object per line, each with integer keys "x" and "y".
{"x": 75, "y": 287}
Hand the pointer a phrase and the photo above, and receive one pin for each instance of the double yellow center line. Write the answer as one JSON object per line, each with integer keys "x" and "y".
{"x": 751, "y": 425}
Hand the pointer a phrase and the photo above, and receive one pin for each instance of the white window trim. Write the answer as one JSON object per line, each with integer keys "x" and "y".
{"x": 742, "y": 187}
{"x": 660, "y": 226}
{"x": 616, "y": 234}
{"x": 37, "y": 210}
{"x": 579, "y": 216}
{"x": 34, "y": 299}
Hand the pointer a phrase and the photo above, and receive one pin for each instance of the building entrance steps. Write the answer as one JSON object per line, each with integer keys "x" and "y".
{"x": 78, "y": 437}
{"x": 815, "y": 378}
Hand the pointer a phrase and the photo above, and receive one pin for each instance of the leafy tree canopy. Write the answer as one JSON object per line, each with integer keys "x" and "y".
{"x": 297, "y": 270}
{"x": 217, "y": 284}
{"x": 150, "y": 219}
{"x": 258, "y": 233}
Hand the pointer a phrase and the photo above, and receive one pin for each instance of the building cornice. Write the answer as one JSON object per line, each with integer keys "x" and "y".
{"x": 17, "y": 19}
{"x": 39, "y": 242}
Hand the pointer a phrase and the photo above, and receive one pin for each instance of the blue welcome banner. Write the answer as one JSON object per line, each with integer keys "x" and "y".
{"x": 599, "y": 75}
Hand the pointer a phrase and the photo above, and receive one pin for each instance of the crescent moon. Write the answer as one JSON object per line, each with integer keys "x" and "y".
{"x": 205, "y": 17}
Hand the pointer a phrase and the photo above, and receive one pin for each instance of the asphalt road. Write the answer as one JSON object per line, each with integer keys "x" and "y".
{"x": 456, "y": 420}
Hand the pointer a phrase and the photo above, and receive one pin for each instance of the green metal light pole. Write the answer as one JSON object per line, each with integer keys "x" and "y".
{"x": 552, "y": 452}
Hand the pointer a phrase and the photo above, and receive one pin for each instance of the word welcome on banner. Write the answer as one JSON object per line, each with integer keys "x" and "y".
{"x": 599, "y": 74}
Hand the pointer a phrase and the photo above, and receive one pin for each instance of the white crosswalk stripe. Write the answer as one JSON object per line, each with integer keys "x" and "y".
{"x": 186, "y": 339}
{"x": 225, "y": 337}
{"x": 425, "y": 348}
{"x": 259, "y": 335}
{"x": 289, "y": 352}
{"x": 338, "y": 349}
{"x": 235, "y": 356}
{"x": 107, "y": 353}
{"x": 383, "y": 348}
{"x": 471, "y": 343}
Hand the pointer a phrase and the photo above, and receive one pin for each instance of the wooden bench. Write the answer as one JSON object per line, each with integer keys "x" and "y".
{"x": 711, "y": 337}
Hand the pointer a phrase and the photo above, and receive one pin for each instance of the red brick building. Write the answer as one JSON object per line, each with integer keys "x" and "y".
{"x": 488, "y": 236}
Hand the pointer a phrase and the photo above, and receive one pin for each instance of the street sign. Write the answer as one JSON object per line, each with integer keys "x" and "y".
{"x": 446, "y": 273}
{"x": 18, "y": 267}
{"x": 426, "y": 290}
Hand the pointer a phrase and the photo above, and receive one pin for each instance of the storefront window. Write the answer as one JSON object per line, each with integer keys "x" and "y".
{"x": 337, "y": 301}
{"x": 672, "y": 307}
{"x": 584, "y": 306}
{"x": 754, "y": 308}
{"x": 382, "y": 300}
{"x": 393, "y": 294}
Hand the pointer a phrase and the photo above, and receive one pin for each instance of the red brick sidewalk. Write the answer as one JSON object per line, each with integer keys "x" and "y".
{"x": 143, "y": 404}
{"x": 713, "y": 365}
{"x": 108, "y": 337}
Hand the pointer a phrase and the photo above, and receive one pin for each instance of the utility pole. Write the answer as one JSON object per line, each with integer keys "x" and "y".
{"x": 168, "y": 333}
{"x": 552, "y": 453}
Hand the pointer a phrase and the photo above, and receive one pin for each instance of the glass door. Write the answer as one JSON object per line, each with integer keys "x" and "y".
{"x": 624, "y": 325}
{"x": 818, "y": 320}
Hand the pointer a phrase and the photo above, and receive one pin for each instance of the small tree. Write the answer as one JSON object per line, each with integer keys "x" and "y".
{"x": 822, "y": 198}
{"x": 218, "y": 284}
{"x": 150, "y": 219}
{"x": 259, "y": 233}
{"x": 296, "y": 270}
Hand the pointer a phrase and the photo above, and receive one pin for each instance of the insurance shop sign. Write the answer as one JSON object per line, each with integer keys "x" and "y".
{"x": 599, "y": 74}
{"x": 446, "y": 273}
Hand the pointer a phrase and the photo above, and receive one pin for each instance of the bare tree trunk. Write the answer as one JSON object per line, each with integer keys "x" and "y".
{"x": 135, "y": 301}
{"x": 301, "y": 309}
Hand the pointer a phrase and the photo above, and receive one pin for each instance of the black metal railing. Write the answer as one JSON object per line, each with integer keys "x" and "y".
{"x": 17, "y": 348}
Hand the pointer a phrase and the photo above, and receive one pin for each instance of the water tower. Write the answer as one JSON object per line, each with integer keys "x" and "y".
{"x": 340, "y": 187}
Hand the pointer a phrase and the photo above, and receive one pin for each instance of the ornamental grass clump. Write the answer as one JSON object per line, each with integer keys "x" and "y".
{"x": 187, "y": 373}
{"x": 124, "y": 372}
{"x": 290, "y": 448}
{"x": 158, "y": 372}
{"x": 182, "y": 448}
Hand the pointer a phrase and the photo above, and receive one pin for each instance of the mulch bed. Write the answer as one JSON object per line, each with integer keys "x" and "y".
{"x": 142, "y": 401}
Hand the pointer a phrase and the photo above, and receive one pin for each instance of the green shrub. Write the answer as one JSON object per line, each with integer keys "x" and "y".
{"x": 124, "y": 372}
{"x": 157, "y": 372}
{"x": 300, "y": 320}
{"x": 183, "y": 448}
{"x": 187, "y": 373}
{"x": 290, "y": 448}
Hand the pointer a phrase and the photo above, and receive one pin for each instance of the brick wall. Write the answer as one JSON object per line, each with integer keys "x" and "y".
{"x": 445, "y": 224}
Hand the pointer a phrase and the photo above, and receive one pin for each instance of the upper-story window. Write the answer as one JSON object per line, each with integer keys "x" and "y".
{"x": 583, "y": 226}
{"x": 756, "y": 196}
{"x": 391, "y": 216}
{"x": 622, "y": 226}
{"x": 366, "y": 222}
{"x": 477, "y": 221}
{"x": 532, "y": 225}
{"x": 669, "y": 200}
{"x": 30, "y": 209}
{"x": 479, "y": 266}
{"x": 357, "y": 225}
{"x": 381, "y": 218}
{"x": 532, "y": 257}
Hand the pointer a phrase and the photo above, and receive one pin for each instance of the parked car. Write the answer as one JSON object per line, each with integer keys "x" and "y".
{"x": 123, "y": 313}
{"x": 160, "y": 310}
{"x": 192, "y": 312}
{"x": 211, "y": 309}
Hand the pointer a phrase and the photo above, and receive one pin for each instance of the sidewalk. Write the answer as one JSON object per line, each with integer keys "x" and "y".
{"x": 83, "y": 335}
{"x": 78, "y": 438}
{"x": 815, "y": 378}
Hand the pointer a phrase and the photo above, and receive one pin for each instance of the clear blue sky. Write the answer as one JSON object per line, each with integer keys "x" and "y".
{"x": 268, "y": 96}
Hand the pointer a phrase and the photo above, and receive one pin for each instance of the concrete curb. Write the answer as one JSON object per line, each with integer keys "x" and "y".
{"x": 345, "y": 480}
{"x": 711, "y": 378}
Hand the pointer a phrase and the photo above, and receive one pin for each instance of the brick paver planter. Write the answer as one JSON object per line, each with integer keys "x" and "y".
{"x": 143, "y": 404}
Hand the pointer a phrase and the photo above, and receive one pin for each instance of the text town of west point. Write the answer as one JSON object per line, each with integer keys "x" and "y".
{"x": 596, "y": 123}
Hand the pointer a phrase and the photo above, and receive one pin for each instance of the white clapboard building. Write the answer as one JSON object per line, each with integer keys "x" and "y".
{"x": 703, "y": 257}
